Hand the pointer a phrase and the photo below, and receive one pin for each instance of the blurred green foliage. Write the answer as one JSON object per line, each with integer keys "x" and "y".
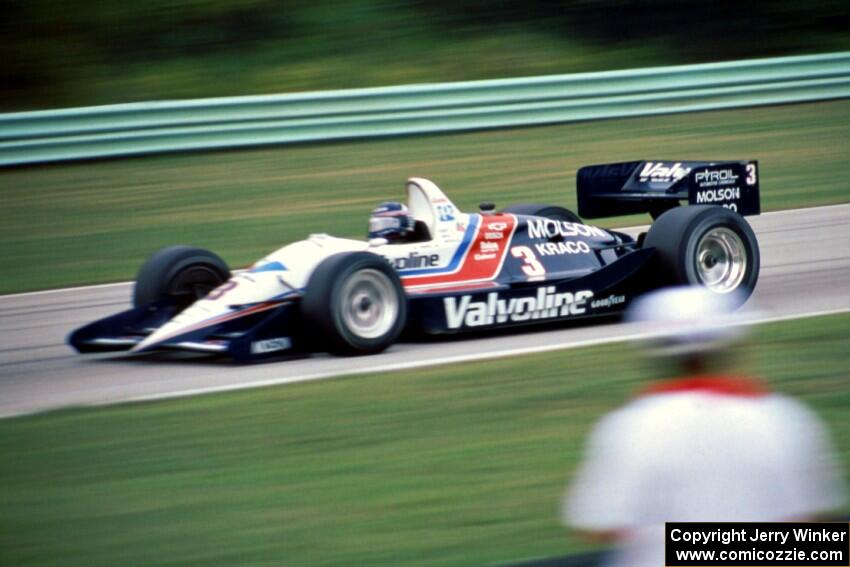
{"x": 698, "y": 29}
{"x": 79, "y": 52}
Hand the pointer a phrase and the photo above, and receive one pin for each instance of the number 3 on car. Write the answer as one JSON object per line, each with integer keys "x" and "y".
{"x": 532, "y": 267}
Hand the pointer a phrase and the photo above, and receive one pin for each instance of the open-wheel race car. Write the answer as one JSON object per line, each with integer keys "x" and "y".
{"x": 430, "y": 268}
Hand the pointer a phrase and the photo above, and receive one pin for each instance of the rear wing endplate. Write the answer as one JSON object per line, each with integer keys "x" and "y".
{"x": 629, "y": 188}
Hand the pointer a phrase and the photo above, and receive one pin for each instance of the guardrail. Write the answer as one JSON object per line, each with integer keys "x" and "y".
{"x": 172, "y": 126}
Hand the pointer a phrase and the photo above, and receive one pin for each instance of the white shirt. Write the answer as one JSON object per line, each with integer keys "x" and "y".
{"x": 700, "y": 451}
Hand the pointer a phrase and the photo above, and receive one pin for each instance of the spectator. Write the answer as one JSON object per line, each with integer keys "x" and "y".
{"x": 707, "y": 445}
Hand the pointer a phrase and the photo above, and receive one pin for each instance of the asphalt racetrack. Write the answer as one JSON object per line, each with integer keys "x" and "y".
{"x": 805, "y": 270}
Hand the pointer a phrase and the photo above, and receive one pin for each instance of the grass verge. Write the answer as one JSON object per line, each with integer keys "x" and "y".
{"x": 455, "y": 465}
{"x": 95, "y": 222}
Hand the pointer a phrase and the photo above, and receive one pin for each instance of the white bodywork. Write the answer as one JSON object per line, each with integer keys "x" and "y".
{"x": 284, "y": 273}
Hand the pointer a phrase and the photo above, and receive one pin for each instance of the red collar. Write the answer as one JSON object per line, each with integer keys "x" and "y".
{"x": 718, "y": 385}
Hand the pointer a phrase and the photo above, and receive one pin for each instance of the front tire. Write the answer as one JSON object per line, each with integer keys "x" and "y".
{"x": 706, "y": 245}
{"x": 179, "y": 273}
{"x": 355, "y": 304}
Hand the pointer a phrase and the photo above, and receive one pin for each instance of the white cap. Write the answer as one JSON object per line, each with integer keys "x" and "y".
{"x": 685, "y": 320}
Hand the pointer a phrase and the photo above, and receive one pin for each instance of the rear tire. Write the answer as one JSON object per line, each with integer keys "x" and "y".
{"x": 553, "y": 212}
{"x": 355, "y": 304}
{"x": 180, "y": 273}
{"x": 706, "y": 245}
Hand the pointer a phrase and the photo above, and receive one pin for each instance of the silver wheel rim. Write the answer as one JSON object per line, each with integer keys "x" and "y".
{"x": 721, "y": 260}
{"x": 369, "y": 304}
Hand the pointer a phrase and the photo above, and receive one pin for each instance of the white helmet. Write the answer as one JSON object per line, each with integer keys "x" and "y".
{"x": 688, "y": 320}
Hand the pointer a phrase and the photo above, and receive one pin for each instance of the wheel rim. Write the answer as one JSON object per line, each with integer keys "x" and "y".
{"x": 721, "y": 260}
{"x": 369, "y": 304}
{"x": 195, "y": 282}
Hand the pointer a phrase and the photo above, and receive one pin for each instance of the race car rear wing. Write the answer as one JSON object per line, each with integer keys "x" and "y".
{"x": 634, "y": 187}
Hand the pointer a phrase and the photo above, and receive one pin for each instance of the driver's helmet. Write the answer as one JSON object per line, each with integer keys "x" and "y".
{"x": 392, "y": 221}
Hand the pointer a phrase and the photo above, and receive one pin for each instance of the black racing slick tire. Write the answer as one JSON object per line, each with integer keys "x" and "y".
{"x": 553, "y": 212}
{"x": 354, "y": 304}
{"x": 706, "y": 245}
{"x": 180, "y": 273}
